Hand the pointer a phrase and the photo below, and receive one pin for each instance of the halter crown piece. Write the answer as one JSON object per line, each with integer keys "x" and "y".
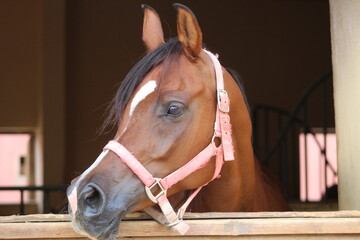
{"x": 224, "y": 152}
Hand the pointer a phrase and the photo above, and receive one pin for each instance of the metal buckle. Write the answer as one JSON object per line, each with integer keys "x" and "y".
{"x": 174, "y": 223}
{"x": 179, "y": 220}
{"x": 151, "y": 195}
{"x": 219, "y": 100}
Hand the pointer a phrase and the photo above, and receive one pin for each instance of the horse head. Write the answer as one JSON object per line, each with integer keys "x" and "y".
{"x": 165, "y": 111}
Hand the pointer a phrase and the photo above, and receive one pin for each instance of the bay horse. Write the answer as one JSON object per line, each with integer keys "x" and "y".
{"x": 165, "y": 111}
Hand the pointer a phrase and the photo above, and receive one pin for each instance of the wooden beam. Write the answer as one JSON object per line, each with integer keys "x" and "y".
{"x": 268, "y": 225}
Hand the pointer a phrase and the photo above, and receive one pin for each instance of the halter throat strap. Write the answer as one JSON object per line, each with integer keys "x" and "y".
{"x": 225, "y": 151}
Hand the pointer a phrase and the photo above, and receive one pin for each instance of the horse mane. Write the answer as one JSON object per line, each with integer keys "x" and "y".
{"x": 135, "y": 76}
{"x": 235, "y": 75}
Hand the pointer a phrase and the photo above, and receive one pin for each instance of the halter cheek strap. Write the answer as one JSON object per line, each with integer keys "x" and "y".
{"x": 224, "y": 152}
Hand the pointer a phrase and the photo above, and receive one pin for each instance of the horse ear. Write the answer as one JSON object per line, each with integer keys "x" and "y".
{"x": 153, "y": 35}
{"x": 189, "y": 32}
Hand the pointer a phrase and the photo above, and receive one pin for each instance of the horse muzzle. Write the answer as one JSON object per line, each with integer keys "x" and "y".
{"x": 94, "y": 212}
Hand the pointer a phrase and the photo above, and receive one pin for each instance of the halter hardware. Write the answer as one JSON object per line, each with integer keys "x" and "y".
{"x": 149, "y": 192}
{"x": 174, "y": 223}
{"x": 219, "y": 92}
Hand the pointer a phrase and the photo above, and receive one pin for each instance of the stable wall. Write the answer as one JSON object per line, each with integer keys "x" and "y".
{"x": 20, "y": 63}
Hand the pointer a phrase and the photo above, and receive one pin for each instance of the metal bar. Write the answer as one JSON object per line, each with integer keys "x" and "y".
{"x": 300, "y": 110}
{"x": 45, "y": 189}
{"x": 35, "y": 188}
{"x": 324, "y": 113}
{"x": 281, "y": 153}
{"x": 295, "y": 159}
{"x": 280, "y": 121}
{"x": 305, "y": 149}
{"x": 22, "y": 206}
{"x": 46, "y": 205}
{"x": 284, "y": 168}
{"x": 295, "y": 111}
{"x": 282, "y": 157}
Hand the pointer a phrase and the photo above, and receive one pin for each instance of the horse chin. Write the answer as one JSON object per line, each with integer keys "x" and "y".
{"x": 112, "y": 230}
{"x": 98, "y": 230}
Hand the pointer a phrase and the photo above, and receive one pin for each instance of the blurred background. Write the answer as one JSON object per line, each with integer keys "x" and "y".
{"x": 61, "y": 62}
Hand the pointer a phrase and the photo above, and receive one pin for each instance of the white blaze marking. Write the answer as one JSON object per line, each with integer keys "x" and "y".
{"x": 94, "y": 165}
{"x": 73, "y": 195}
{"x": 145, "y": 90}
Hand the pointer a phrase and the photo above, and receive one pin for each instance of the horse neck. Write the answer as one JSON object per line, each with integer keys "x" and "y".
{"x": 237, "y": 181}
{"x": 241, "y": 185}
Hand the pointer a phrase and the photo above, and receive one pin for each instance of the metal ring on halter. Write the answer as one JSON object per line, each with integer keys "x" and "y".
{"x": 213, "y": 138}
{"x": 151, "y": 195}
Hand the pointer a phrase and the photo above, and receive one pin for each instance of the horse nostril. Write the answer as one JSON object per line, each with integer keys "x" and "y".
{"x": 93, "y": 199}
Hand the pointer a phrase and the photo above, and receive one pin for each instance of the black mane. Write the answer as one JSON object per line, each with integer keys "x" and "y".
{"x": 240, "y": 84}
{"x": 135, "y": 76}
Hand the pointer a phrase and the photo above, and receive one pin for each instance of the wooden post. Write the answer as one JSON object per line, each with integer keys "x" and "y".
{"x": 345, "y": 37}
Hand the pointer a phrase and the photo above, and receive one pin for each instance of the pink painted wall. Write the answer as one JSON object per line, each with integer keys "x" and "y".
{"x": 12, "y": 147}
{"x": 316, "y": 166}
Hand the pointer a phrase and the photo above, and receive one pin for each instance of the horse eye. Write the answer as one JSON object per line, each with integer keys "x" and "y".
{"x": 174, "y": 110}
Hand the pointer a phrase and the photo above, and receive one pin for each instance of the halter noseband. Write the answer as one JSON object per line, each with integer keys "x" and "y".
{"x": 224, "y": 151}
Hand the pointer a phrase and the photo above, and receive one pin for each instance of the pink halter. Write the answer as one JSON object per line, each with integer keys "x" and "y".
{"x": 225, "y": 151}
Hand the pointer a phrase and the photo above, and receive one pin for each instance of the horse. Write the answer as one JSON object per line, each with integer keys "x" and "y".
{"x": 164, "y": 111}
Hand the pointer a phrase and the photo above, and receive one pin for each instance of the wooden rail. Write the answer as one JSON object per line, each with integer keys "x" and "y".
{"x": 265, "y": 225}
